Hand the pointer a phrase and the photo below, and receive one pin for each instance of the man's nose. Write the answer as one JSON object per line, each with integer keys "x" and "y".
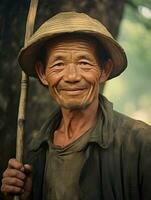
{"x": 72, "y": 73}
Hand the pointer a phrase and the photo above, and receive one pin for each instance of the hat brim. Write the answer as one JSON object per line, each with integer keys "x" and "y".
{"x": 28, "y": 55}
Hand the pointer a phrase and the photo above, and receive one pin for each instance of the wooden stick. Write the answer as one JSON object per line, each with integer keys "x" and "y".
{"x": 24, "y": 87}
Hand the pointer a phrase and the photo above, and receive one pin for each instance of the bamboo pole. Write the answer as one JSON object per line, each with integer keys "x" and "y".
{"x": 24, "y": 87}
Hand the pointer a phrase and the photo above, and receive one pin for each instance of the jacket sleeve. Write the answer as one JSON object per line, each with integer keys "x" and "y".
{"x": 145, "y": 164}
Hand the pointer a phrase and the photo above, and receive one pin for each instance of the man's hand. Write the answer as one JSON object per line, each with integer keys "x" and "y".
{"x": 17, "y": 180}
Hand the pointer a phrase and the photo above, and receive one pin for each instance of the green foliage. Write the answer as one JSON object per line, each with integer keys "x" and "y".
{"x": 131, "y": 91}
{"x": 140, "y": 11}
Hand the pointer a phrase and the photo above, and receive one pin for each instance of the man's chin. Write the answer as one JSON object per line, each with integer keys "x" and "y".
{"x": 74, "y": 106}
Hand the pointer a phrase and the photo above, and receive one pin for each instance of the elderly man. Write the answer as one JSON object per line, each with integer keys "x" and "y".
{"x": 85, "y": 150}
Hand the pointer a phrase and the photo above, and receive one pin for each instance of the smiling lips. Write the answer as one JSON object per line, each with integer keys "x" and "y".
{"x": 73, "y": 91}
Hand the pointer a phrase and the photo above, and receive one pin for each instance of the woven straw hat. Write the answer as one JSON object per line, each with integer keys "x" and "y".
{"x": 71, "y": 22}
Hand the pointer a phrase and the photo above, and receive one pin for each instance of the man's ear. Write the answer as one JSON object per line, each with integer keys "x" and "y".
{"x": 41, "y": 73}
{"x": 106, "y": 71}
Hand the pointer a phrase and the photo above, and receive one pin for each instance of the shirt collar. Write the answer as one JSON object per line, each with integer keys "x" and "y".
{"x": 102, "y": 134}
{"x": 46, "y": 130}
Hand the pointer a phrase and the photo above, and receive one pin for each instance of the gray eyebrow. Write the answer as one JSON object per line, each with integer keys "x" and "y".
{"x": 57, "y": 57}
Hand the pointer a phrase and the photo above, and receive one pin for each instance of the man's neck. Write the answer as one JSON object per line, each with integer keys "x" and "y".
{"x": 75, "y": 123}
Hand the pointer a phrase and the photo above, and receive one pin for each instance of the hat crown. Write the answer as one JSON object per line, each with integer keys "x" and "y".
{"x": 70, "y": 22}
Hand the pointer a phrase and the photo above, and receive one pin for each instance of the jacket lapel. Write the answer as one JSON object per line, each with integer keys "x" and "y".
{"x": 38, "y": 163}
{"x": 90, "y": 178}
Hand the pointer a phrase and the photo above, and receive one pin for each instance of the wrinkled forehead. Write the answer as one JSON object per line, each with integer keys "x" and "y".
{"x": 72, "y": 38}
{"x": 92, "y": 46}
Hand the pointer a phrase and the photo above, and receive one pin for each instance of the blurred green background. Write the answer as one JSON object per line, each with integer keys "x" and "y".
{"x": 131, "y": 92}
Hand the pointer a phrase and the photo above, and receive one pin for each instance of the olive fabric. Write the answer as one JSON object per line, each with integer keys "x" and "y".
{"x": 117, "y": 158}
{"x": 62, "y": 170}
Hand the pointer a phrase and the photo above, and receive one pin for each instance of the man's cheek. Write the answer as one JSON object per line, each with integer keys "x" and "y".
{"x": 52, "y": 92}
{"x": 91, "y": 76}
{"x": 94, "y": 81}
{"x": 53, "y": 80}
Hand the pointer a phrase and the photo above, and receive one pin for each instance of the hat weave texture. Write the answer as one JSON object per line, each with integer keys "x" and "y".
{"x": 71, "y": 22}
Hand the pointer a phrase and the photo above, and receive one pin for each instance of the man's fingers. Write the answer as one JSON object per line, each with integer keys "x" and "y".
{"x": 28, "y": 169}
{"x": 13, "y": 182}
{"x": 13, "y": 163}
{"x": 17, "y": 179}
{"x": 11, "y": 189}
{"x": 14, "y": 173}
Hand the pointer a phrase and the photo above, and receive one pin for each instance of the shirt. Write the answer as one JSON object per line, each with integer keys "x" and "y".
{"x": 62, "y": 171}
{"x": 117, "y": 158}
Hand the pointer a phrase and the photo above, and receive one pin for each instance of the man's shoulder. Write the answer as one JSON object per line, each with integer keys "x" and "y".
{"x": 38, "y": 138}
{"x": 123, "y": 128}
{"x": 125, "y": 121}
{"x": 131, "y": 128}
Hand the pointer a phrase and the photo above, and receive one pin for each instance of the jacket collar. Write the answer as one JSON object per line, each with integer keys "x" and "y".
{"x": 102, "y": 133}
{"x": 46, "y": 130}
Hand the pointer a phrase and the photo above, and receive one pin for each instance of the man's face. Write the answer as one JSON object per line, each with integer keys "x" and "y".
{"x": 72, "y": 72}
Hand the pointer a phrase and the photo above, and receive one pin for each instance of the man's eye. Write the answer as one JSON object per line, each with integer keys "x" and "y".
{"x": 59, "y": 64}
{"x": 83, "y": 63}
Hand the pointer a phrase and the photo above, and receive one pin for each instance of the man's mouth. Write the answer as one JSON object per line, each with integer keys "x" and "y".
{"x": 73, "y": 91}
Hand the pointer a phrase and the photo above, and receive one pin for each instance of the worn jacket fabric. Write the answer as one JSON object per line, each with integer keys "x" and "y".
{"x": 118, "y": 157}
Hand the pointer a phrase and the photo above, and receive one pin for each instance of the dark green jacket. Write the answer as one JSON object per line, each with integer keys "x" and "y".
{"x": 118, "y": 157}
